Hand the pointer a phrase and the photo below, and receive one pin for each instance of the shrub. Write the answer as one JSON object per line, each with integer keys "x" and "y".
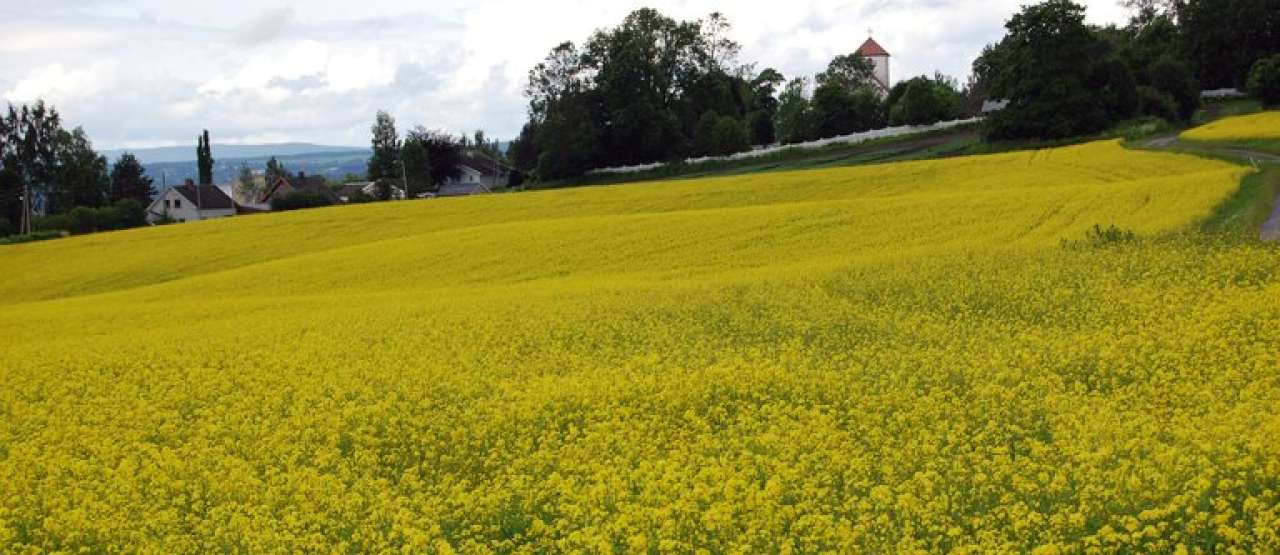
{"x": 82, "y": 220}
{"x": 1112, "y": 235}
{"x": 6, "y": 228}
{"x": 32, "y": 237}
{"x": 1264, "y": 80}
{"x": 129, "y": 214}
{"x": 56, "y": 222}
{"x": 360, "y": 197}
{"x": 516, "y": 179}
{"x": 298, "y": 201}
{"x": 1152, "y": 102}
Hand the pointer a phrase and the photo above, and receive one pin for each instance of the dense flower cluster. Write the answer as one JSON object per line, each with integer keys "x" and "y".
{"x": 893, "y": 358}
{"x": 1262, "y": 125}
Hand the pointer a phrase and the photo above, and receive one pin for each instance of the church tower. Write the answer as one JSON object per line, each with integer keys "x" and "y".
{"x": 880, "y": 57}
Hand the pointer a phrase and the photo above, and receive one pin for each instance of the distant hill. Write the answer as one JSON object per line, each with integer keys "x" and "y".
{"x": 168, "y": 154}
{"x": 331, "y": 162}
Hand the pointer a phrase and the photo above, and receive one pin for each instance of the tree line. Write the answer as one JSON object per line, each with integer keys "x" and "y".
{"x": 1064, "y": 78}
{"x": 43, "y": 165}
{"x": 658, "y": 89}
{"x": 654, "y": 88}
{"x": 423, "y": 160}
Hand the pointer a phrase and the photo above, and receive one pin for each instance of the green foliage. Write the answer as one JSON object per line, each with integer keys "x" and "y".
{"x": 1264, "y": 80}
{"x": 840, "y": 111}
{"x": 383, "y": 189}
{"x": 52, "y": 222}
{"x": 1115, "y": 85}
{"x": 848, "y": 72}
{"x": 922, "y": 101}
{"x": 130, "y": 181}
{"x": 28, "y": 153}
{"x": 82, "y": 219}
{"x": 1175, "y": 78}
{"x": 1100, "y": 237}
{"x": 1150, "y": 36}
{"x": 417, "y": 164}
{"x": 1156, "y": 103}
{"x": 10, "y": 194}
{"x": 794, "y": 120}
{"x": 80, "y": 177}
{"x": 204, "y": 158}
{"x": 637, "y": 93}
{"x": 275, "y": 170}
{"x": 31, "y": 237}
{"x": 385, "y": 161}
{"x": 360, "y": 197}
{"x": 444, "y": 154}
{"x": 1224, "y": 38}
{"x": 721, "y": 135}
{"x": 124, "y": 214}
{"x": 764, "y": 106}
{"x": 299, "y": 200}
{"x": 1140, "y": 128}
{"x": 1045, "y": 67}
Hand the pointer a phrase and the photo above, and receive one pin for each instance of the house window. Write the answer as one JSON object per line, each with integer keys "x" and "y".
{"x": 177, "y": 203}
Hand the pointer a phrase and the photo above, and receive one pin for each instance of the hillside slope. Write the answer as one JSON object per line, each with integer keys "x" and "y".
{"x": 870, "y": 359}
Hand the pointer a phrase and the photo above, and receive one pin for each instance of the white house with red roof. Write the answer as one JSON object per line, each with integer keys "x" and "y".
{"x": 880, "y": 57}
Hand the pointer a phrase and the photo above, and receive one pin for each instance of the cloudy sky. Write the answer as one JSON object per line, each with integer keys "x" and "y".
{"x": 138, "y": 73}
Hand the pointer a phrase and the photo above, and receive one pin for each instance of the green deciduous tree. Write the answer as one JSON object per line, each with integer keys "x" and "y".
{"x": 1223, "y": 38}
{"x": 385, "y": 161}
{"x": 1045, "y": 69}
{"x": 922, "y": 101}
{"x": 841, "y": 111}
{"x": 636, "y": 93}
{"x": 1264, "y": 80}
{"x": 28, "y": 156}
{"x": 417, "y": 162}
{"x": 81, "y": 178}
{"x": 848, "y": 72}
{"x": 794, "y": 121}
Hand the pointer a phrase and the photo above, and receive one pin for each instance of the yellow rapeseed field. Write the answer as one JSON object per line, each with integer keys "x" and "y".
{"x": 893, "y": 358}
{"x": 1262, "y": 125}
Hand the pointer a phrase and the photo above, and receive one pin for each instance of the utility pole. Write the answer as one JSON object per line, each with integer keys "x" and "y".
{"x": 25, "y": 227}
{"x": 404, "y": 174}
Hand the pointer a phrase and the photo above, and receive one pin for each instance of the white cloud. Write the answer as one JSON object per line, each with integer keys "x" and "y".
{"x": 146, "y": 72}
{"x": 267, "y": 26}
{"x": 60, "y": 84}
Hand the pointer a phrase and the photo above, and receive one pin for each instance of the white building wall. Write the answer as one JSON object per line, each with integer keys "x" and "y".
{"x": 172, "y": 202}
{"x": 882, "y": 69}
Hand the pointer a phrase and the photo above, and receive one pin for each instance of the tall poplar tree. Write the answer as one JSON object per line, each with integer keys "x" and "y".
{"x": 204, "y": 159}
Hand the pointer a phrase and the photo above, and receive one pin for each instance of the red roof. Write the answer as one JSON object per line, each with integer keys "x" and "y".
{"x": 872, "y": 48}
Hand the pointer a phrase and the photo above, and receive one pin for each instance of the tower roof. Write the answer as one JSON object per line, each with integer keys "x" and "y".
{"x": 872, "y": 48}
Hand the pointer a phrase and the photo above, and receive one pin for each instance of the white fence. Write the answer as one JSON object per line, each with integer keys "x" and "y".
{"x": 759, "y": 151}
{"x": 1216, "y": 94}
